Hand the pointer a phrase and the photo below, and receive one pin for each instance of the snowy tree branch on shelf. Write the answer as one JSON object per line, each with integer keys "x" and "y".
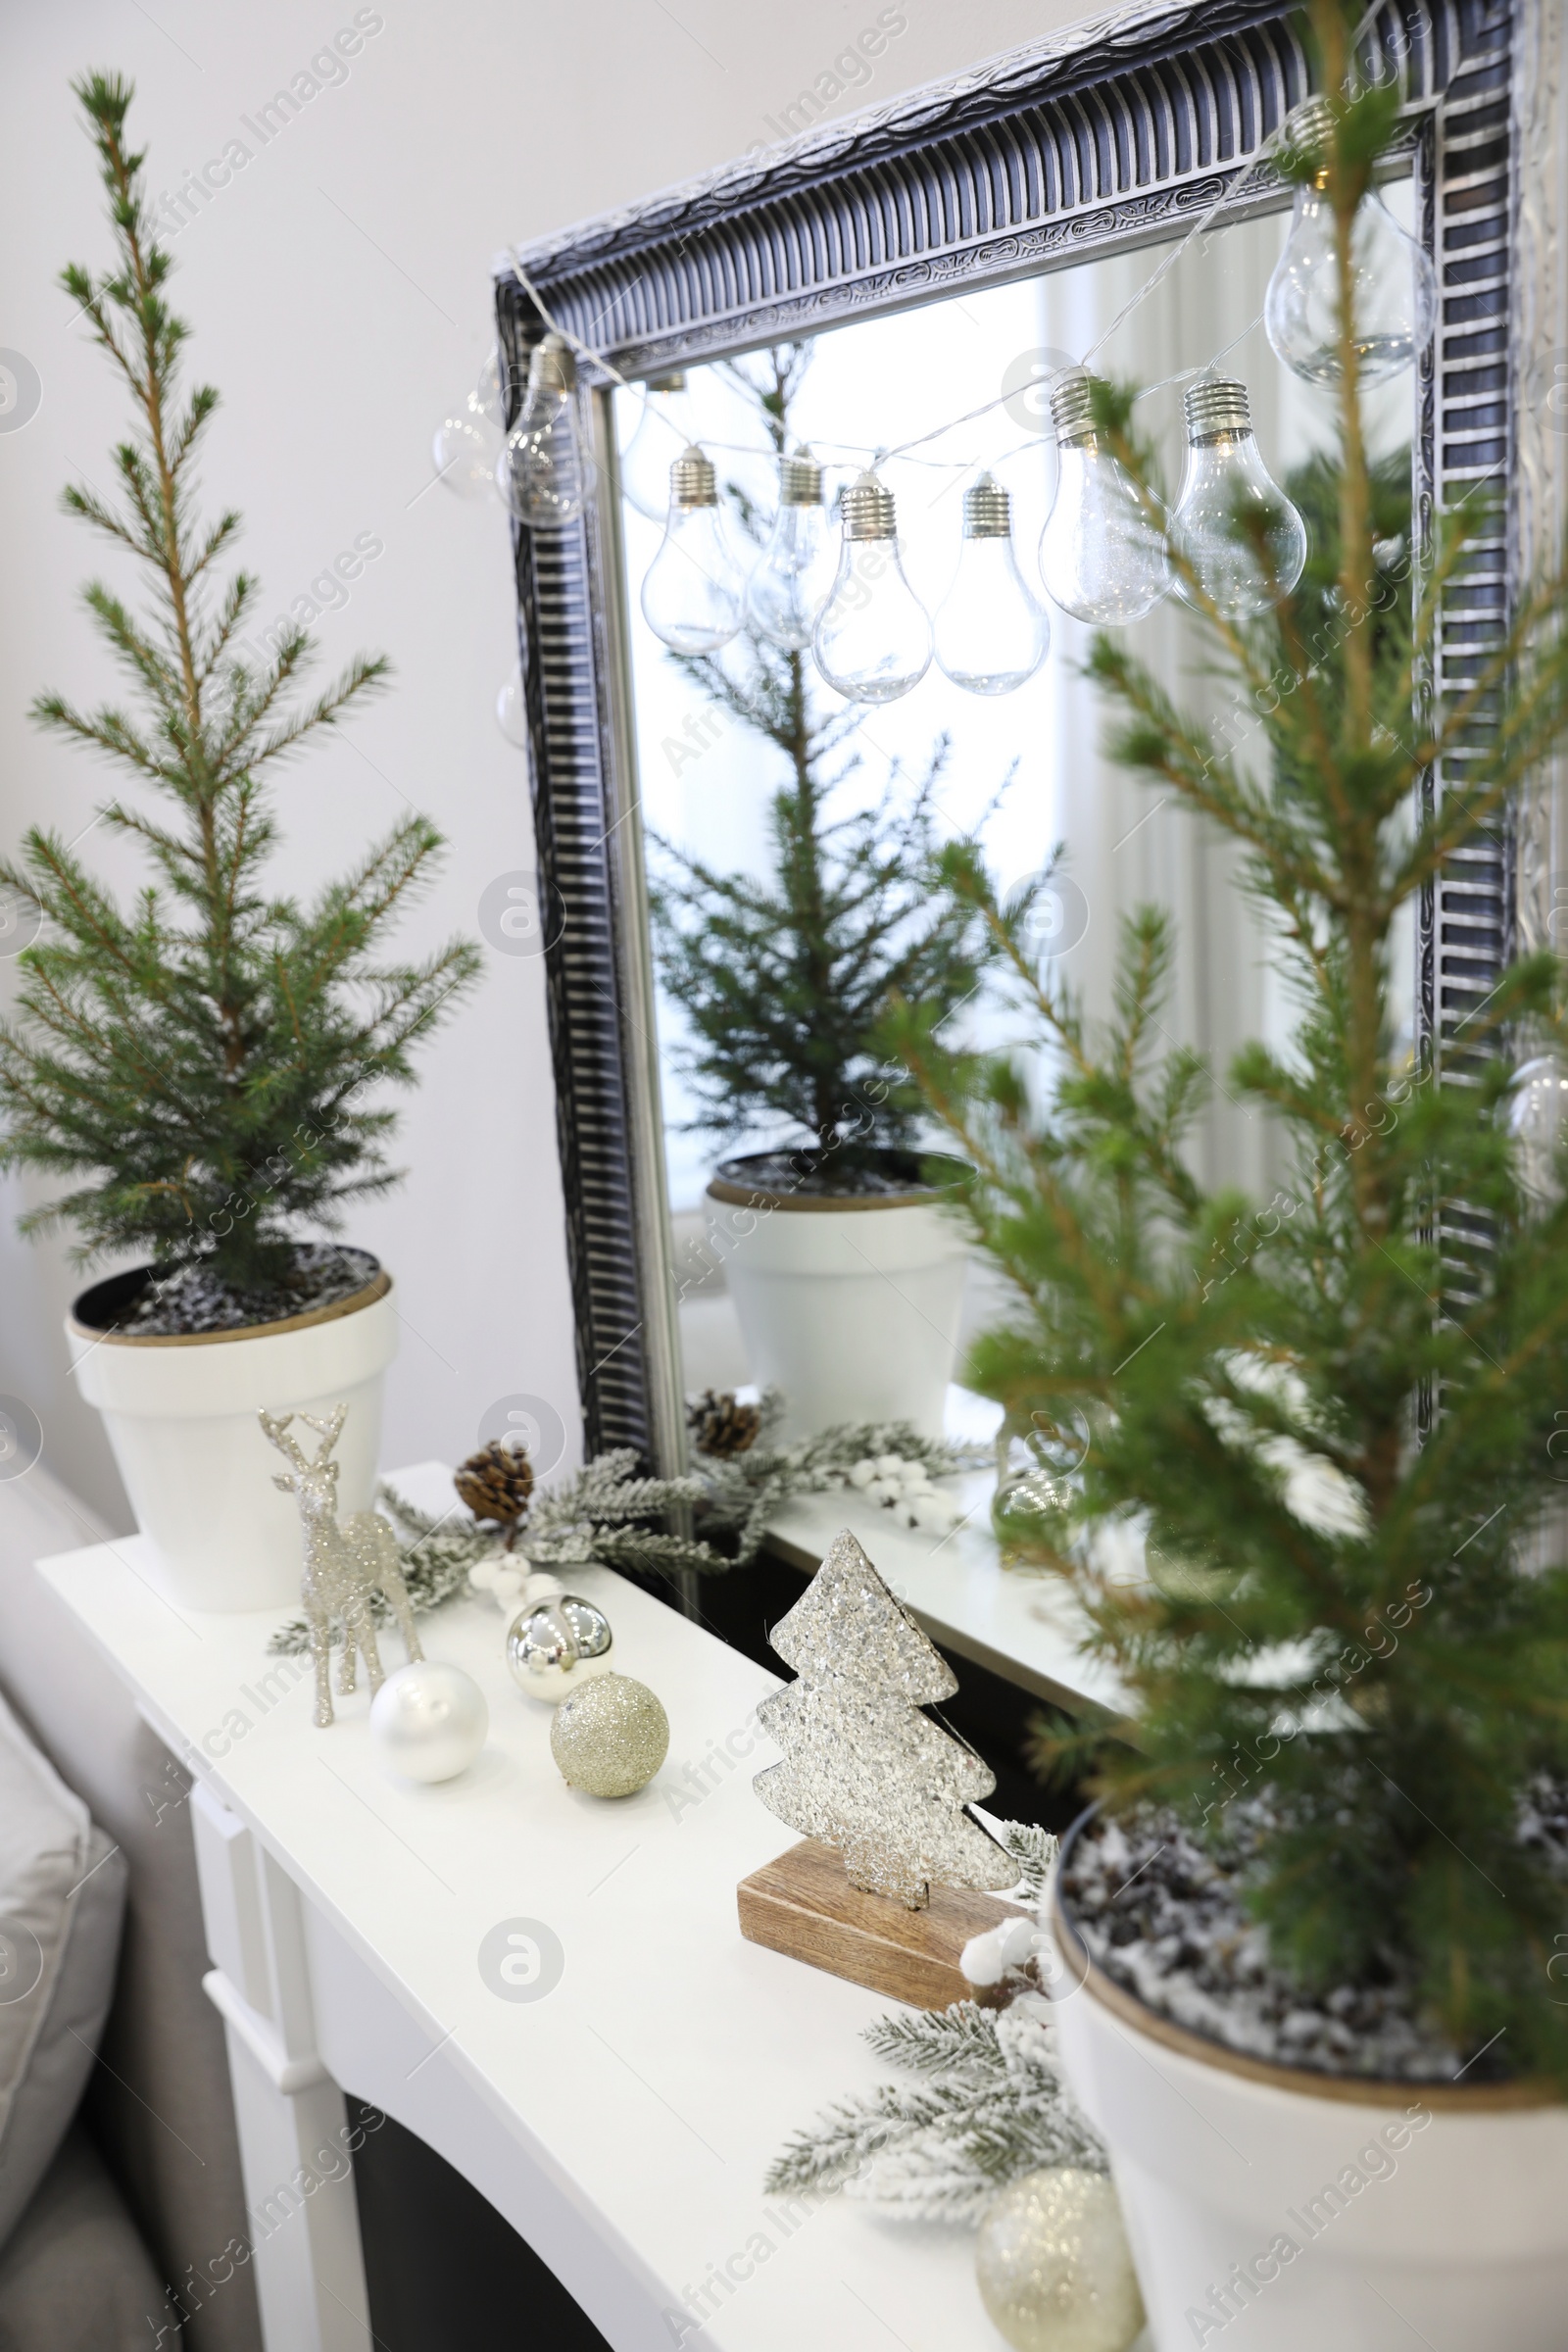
{"x": 606, "y": 1512}
{"x": 988, "y": 2103}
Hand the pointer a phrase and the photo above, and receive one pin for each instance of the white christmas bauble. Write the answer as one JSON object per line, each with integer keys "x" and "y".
{"x": 428, "y": 1721}
{"x": 1054, "y": 2268}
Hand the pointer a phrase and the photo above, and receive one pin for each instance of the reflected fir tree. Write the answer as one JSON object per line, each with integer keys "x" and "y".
{"x": 786, "y": 980}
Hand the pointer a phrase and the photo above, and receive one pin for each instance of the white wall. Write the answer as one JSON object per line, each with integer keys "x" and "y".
{"x": 340, "y": 294}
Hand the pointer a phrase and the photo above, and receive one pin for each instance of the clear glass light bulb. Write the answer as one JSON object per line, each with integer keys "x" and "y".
{"x": 990, "y": 633}
{"x": 540, "y": 471}
{"x": 511, "y": 712}
{"x": 490, "y": 390}
{"x": 464, "y": 450}
{"x": 1227, "y": 495}
{"x": 663, "y": 430}
{"x": 794, "y": 574}
{"x": 691, "y": 593}
{"x": 1393, "y": 291}
{"x": 1102, "y": 553}
{"x": 872, "y": 641}
{"x": 1536, "y": 1117}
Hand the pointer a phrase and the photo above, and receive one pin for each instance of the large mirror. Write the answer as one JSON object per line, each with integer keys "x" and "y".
{"x": 741, "y": 841}
{"x": 791, "y": 825}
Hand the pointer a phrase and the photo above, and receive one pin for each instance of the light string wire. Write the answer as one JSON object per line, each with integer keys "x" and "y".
{"x": 882, "y": 456}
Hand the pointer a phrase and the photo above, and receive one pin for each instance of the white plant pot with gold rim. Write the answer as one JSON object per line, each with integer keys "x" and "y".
{"x": 851, "y": 1303}
{"x": 1273, "y": 2210}
{"x": 181, "y": 1416}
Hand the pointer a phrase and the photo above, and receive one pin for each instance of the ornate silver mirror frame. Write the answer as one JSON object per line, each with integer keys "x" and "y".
{"x": 1119, "y": 133}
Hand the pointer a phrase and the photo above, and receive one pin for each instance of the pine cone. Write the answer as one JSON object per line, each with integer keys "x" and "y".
{"x": 719, "y": 1426}
{"x": 495, "y": 1482}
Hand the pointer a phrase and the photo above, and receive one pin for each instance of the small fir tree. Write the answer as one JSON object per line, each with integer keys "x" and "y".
{"x": 865, "y": 1771}
{"x": 196, "y": 1065}
{"x": 1330, "y": 1416}
{"x": 786, "y": 981}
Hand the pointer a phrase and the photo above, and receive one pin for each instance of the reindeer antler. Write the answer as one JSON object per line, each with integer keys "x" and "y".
{"x": 276, "y": 1428}
{"x": 328, "y": 1431}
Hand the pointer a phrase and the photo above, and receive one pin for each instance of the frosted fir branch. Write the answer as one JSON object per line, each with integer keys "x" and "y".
{"x": 937, "y": 2041}
{"x": 1034, "y": 1850}
{"x": 990, "y": 2106}
{"x": 602, "y": 1512}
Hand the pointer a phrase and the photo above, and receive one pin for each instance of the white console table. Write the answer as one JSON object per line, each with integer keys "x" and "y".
{"x": 623, "y": 2122}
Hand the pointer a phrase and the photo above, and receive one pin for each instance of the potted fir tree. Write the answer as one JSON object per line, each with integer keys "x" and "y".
{"x": 1317, "y": 1928}
{"x": 845, "y": 1267}
{"x": 196, "y": 1066}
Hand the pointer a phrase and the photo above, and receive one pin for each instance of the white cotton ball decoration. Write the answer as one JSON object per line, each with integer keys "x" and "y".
{"x": 482, "y": 1575}
{"x": 937, "y": 1514}
{"x": 986, "y": 1959}
{"x": 428, "y": 1721}
{"x": 862, "y": 1473}
{"x": 888, "y": 1465}
{"x": 882, "y": 1490}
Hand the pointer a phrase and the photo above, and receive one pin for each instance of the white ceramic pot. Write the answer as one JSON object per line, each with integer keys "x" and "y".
{"x": 851, "y": 1305}
{"x": 181, "y": 1416}
{"x": 1278, "y": 2211}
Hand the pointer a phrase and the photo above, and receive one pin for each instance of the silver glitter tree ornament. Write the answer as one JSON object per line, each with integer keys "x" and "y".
{"x": 865, "y": 1771}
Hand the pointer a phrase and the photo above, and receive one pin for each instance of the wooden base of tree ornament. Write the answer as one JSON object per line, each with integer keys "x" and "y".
{"x": 804, "y": 1905}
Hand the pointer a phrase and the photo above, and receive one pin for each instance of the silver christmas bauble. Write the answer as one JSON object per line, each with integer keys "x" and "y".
{"x": 1054, "y": 2268}
{"x": 558, "y": 1645}
{"x": 611, "y": 1737}
{"x": 428, "y": 1721}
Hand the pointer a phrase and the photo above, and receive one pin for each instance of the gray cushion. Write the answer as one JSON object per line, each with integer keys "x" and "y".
{"x": 62, "y": 1895}
{"x": 76, "y": 2277}
{"x": 159, "y": 2105}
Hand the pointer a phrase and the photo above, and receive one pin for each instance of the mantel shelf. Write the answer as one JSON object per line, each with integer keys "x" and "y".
{"x": 625, "y": 2123}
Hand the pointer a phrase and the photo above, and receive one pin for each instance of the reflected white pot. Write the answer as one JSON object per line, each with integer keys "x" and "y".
{"x": 182, "y": 1417}
{"x": 1410, "y": 2212}
{"x": 852, "y": 1306}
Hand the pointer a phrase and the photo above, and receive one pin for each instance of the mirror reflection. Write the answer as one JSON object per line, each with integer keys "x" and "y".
{"x": 863, "y": 573}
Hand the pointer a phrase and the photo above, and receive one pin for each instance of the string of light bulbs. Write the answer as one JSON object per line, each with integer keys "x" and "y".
{"x": 1104, "y": 553}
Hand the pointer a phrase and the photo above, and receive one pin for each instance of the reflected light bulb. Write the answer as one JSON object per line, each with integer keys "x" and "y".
{"x": 490, "y": 390}
{"x": 1102, "y": 553}
{"x": 464, "y": 450}
{"x": 540, "y": 471}
{"x": 1537, "y": 1118}
{"x": 663, "y": 429}
{"x": 873, "y": 640}
{"x": 691, "y": 595}
{"x": 1393, "y": 291}
{"x": 511, "y": 712}
{"x": 991, "y": 634}
{"x": 1227, "y": 494}
{"x": 795, "y": 572}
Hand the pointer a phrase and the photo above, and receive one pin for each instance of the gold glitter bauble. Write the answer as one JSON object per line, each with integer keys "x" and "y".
{"x": 1054, "y": 2268}
{"x": 611, "y": 1737}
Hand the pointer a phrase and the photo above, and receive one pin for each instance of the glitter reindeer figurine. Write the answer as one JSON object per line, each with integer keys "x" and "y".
{"x": 346, "y": 1563}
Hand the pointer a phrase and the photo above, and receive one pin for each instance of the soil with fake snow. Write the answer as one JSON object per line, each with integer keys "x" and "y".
{"x": 1167, "y": 1920}
{"x": 193, "y": 1300}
